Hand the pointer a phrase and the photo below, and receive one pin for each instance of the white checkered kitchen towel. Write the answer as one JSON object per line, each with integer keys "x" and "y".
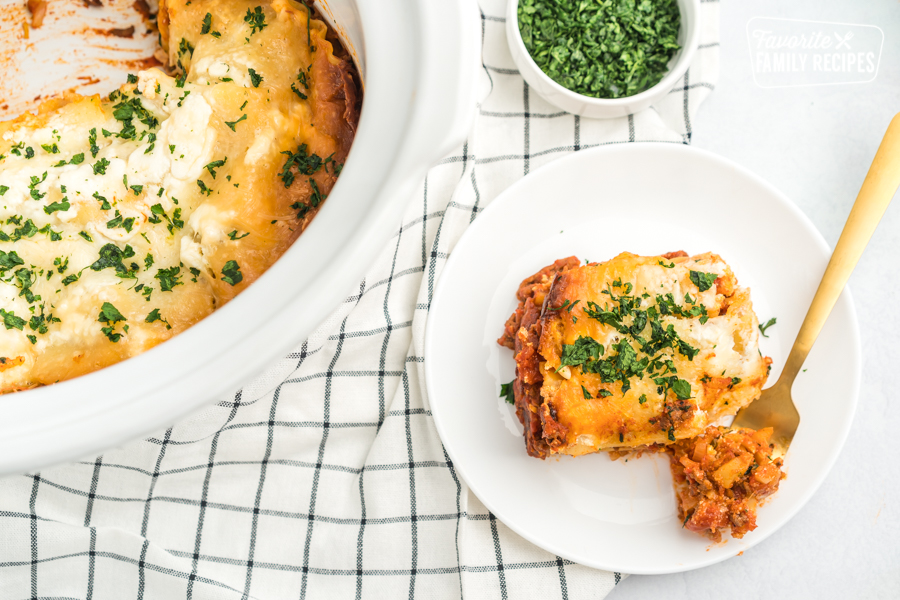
{"x": 325, "y": 477}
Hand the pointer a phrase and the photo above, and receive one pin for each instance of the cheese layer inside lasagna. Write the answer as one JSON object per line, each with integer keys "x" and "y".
{"x": 125, "y": 220}
{"x": 632, "y": 352}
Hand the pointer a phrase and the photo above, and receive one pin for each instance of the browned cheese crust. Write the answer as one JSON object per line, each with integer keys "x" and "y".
{"x": 126, "y": 220}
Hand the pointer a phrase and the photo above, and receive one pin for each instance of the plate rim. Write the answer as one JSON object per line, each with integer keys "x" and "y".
{"x": 508, "y": 195}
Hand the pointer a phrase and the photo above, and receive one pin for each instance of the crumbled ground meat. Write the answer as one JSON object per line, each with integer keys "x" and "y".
{"x": 721, "y": 477}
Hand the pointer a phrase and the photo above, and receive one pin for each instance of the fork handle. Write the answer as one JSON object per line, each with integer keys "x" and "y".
{"x": 877, "y": 190}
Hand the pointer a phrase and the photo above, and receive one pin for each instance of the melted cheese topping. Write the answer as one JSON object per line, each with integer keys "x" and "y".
{"x": 124, "y": 221}
{"x": 720, "y": 363}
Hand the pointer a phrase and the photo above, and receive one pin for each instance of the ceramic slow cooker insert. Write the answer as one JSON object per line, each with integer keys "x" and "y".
{"x": 418, "y": 60}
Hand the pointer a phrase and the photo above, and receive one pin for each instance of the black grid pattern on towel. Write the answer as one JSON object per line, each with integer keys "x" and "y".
{"x": 326, "y": 478}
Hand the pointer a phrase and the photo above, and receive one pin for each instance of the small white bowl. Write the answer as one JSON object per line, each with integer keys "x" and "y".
{"x": 605, "y": 108}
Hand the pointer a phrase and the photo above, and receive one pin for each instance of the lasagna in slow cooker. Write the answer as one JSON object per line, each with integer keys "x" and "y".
{"x": 125, "y": 220}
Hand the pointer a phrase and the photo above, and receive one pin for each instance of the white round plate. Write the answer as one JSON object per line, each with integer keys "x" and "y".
{"x": 647, "y": 199}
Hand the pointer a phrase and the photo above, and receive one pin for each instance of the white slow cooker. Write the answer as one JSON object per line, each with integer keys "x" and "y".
{"x": 418, "y": 60}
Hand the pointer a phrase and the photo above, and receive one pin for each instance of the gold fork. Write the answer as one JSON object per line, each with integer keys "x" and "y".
{"x": 774, "y": 408}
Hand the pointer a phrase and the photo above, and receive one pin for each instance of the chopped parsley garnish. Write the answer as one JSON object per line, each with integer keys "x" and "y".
{"x": 301, "y": 77}
{"x": 104, "y": 203}
{"x": 29, "y": 152}
{"x": 207, "y": 24}
{"x": 27, "y": 230}
{"x": 601, "y": 49}
{"x": 111, "y": 256}
{"x": 175, "y": 222}
{"x": 11, "y": 321}
{"x": 100, "y": 166}
{"x": 301, "y": 95}
{"x": 61, "y": 264}
{"x": 587, "y": 394}
{"x": 203, "y": 188}
{"x": 50, "y": 148}
{"x": 703, "y": 281}
{"x": 306, "y": 164}
{"x": 231, "y": 273}
{"x": 682, "y": 389}
{"x": 506, "y": 392}
{"x": 604, "y": 393}
{"x": 647, "y": 344}
{"x": 136, "y": 189}
{"x": 92, "y": 139}
{"x": 120, "y": 221}
{"x": 168, "y": 278}
{"x": 155, "y": 316}
{"x": 148, "y": 261}
{"x": 211, "y": 167}
{"x": 55, "y": 206}
{"x": 115, "y": 221}
{"x": 85, "y": 235}
{"x": 317, "y": 197}
{"x": 185, "y": 47}
{"x": 256, "y": 20}
{"x": 642, "y": 399}
{"x": 671, "y": 265}
{"x": 255, "y": 78}
{"x": 35, "y": 181}
{"x": 10, "y": 260}
{"x": 3, "y": 189}
{"x": 54, "y": 236}
{"x": 584, "y": 349}
{"x": 769, "y": 323}
{"x": 126, "y": 111}
{"x": 132, "y": 78}
{"x": 233, "y": 235}
{"x": 110, "y": 315}
{"x": 231, "y": 124}
{"x": 39, "y": 323}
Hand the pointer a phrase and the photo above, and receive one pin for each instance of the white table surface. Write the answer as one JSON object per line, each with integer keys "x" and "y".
{"x": 816, "y": 144}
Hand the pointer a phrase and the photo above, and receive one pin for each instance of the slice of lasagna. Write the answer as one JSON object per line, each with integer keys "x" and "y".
{"x": 635, "y": 351}
{"x": 125, "y": 220}
{"x": 646, "y": 353}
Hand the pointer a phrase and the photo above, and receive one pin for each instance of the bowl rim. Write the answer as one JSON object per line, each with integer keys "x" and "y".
{"x": 690, "y": 18}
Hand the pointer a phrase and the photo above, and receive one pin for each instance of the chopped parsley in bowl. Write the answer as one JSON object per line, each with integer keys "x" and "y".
{"x": 601, "y": 48}
{"x": 603, "y": 58}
